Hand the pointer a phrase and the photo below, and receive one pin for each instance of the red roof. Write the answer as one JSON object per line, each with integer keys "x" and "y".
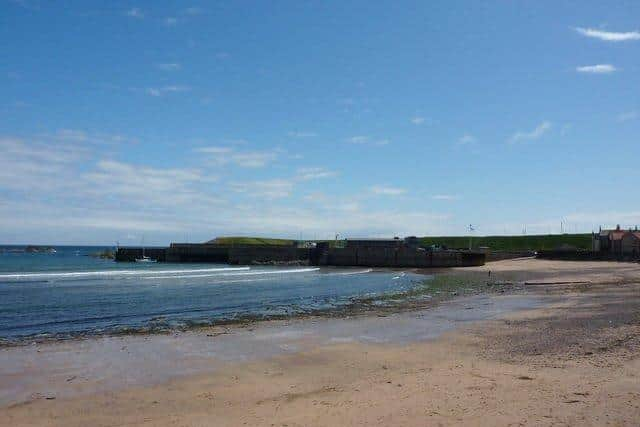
{"x": 617, "y": 234}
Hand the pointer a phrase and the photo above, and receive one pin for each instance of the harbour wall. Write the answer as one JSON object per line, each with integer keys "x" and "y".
{"x": 130, "y": 254}
{"x": 399, "y": 257}
{"x": 322, "y": 256}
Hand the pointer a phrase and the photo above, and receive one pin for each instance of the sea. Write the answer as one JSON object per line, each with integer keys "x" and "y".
{"x": 70, "y": 293}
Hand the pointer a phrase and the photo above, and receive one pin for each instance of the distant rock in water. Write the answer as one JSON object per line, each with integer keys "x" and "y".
{"x": 31, "y": 249}
{"x": 106, "y": 254}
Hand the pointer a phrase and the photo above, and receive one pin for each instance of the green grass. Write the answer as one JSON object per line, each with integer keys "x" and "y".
{"x": 231, "y": 240}
{"x": 514, "y": 243}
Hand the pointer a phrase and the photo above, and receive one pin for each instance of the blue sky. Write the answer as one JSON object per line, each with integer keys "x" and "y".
{"x": 178, "y": 120}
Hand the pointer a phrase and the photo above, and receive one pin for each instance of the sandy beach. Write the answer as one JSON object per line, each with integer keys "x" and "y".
{"x": 562, "y": 351}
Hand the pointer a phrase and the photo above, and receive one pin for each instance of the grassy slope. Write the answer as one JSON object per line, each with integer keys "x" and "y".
{"x": 253, "y": 241}
{"x": 514, "y": 243}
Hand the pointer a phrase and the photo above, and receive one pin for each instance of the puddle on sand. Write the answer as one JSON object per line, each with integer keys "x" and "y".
{"x": 108, "y": 363}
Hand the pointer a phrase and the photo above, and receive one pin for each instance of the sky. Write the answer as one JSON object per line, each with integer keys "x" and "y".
{"x": 178, "y": 121}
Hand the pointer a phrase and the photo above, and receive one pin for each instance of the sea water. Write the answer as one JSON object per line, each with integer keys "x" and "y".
{"x": 70, "y": 293}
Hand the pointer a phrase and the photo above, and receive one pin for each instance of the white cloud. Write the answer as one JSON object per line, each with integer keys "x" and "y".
{"x": 360, "y": 139}
{"x": 35, "y": 166}
{"x": 267, "y": 189}
{"x": 193, "y": 11}
{"x": 149, "y": 186}
{"x": 160, "y": 91}
{"x": 135, "y": 13}
{"x": 222, "y": 155}
{"x": 27, "y": 4}
{"x": 307, "y": 174}
{"x": 628, "y": 116}
{"x": 317, "y": 197}
{"x": 538, "y": 132}
{"x": 417, "y": 120}
{"x": 386, "y": 190}
{"x": 253, "y": 159}
{"x": 597, "y": 69}
{"x": 77, "y": 135}
{"x": 609, "y": 36}
{"x": 445, "y": 197}
{"x": 87, "y": 196}
{"x": 169, "y": 66}
{"x": 467, "y": 139}
{"x": 363, "y": 139}
{"x": 298, "y": 134}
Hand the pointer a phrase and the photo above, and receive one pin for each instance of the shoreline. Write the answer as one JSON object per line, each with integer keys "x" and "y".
{"x": 564, "y": 353}
{"x": 422, "y": 296}
{"x": 493, "y": 277}
{"x": 151, "y": 360}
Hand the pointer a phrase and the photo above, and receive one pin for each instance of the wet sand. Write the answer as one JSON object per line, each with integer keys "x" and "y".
{"x": 555, "y": 354}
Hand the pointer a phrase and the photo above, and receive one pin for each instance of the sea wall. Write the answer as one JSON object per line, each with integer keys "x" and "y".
{"x": 348, "y": 256}
{"x": 197, "y": 252}
{"x": 269, "y": 254}
{"x": 399, "y": 257}
{"x": 129, "y": 254}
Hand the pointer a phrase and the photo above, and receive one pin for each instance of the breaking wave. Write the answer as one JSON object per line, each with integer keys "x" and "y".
{"x": 116, "y": 273}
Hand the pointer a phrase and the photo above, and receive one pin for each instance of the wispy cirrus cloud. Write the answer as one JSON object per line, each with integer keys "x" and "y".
{"x": 135, "y": 13}
{"x": 307, "y": 174}
{"x": 92, "y": 196}
{"x": 193, "y": 11}
{"x": 144, "y": 185}
{"x": 169, "y": 66}
{"x": 266, "y": 189}
{"x": 27, "y": 4}
{"x": 628, "y": 116}
{"x": 597, "y": 69}
{"x": 384, "y": 190}
{"x": 81, "y": 136}
{"x": 161, "y": 91}
{"x": 300, "y": 134}
{"x": 466, "y": 139}
{"x": 536, "y": 133}
{"x": 170, "y": 21}
{"x": 366, "y": 140}
{"x": 445, "y": 197}
{"x": 418, "y": 120}
{"x": 223, "y": 155}
{"x": 609, "y": 36}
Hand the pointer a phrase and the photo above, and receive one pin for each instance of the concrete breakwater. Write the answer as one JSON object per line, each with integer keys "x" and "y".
{"x": 321, "y": 255}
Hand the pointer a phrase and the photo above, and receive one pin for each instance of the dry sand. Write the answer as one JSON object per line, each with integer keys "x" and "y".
{"x": 573, "y": 362}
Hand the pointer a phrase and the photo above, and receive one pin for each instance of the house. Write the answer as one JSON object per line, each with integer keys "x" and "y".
{"x": 617, "y": 243}
{"x": 630, "y": 244}
{"x": 608, "y": 241}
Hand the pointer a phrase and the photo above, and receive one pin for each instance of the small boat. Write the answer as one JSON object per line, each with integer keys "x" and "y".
{"x": 145, "y": 259}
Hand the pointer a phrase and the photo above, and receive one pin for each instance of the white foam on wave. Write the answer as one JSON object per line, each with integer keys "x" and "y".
{"x": 115, "y": 273}
{"x": 248, "y": 273}
{"x": 350, "y": 273}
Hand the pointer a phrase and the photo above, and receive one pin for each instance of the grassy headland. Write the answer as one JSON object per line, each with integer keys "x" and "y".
{"x": 235, "y": 240}
{"x": 514, "y": 243}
